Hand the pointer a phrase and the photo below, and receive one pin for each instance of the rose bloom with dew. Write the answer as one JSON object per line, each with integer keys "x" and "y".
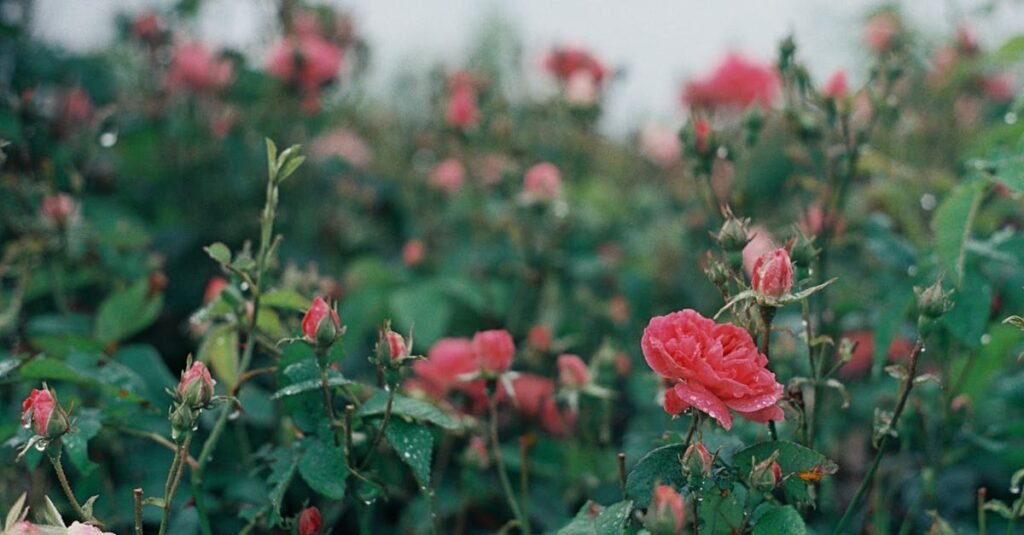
{"x": 712, "y": 367}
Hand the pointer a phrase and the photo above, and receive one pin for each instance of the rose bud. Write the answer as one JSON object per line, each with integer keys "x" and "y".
{"x": 309, "y": 521}
{"x": 413, "y": 252}
{"x": 59, "y": 209}
{"x": 542, "y": 181}
{"x": 493, "y": 351}
{"x": 836, "y": 88}
{"x": 572, "y": 372}
{"x": 698, "y": 460}
{"x": 213, "y": 289}
{"x": 766, "y": 474}
{"x": 667, "y": 514}
{"x": 321, "y": 324}
{"x": 197, "y": 386}
{"x": 393, "y": 348}
{"x": 773, "y": 273}
{"x": 41, "y": 413}
{"x": 933, "y": 301}
{"x": 733, "y": 236}
{"x": 539, "y": 338}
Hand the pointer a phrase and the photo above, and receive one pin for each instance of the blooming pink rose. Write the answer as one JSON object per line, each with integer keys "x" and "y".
{"x": 531, "y": 392}
{"x": 714, "y": 368}
{"x": 318, "y": 312}
{"x": 447, "y": 360}
{"x": 543, "y": 181}
{"x": 461, "y": 110}
{"x": 572, "y": 371}
{"x": 494, "y": 351}
{"x": 661, "y": 145}
{"x": 309, "y": 521}
{"x": 195, "y": 67}
{"x": 448, "y": 176}
{"x": 59, "y": 209}
{"x": 78, "y": 528}
{"x": 196, "y": 387}
{"x": 37, "y": 411}
{"x": 737, "y": 82}
{"x": 565, "y": 62}
{"x": 836, "y": 87}
{"x": 413, "y": 252}
{"x": 667, "y": 509}
{"x": 773, "y": 273}
{"x": 307, "y": 60}
{"x": 539, "y": 338}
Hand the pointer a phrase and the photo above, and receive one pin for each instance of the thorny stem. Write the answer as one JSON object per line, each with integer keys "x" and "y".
{"x": 694, "y": 423}
{"x": 767, "y": 315}
{"x": 174, "y": 480}
{"x": 137, "y": 494}
{"x": 908, "y": 384}
{"x": 66, "y": 487}
{"x": 524, "y": 475}
{"x": 696, "y": 513}
{"x": 383, "y": 426}
{"x": 499, "y": 461}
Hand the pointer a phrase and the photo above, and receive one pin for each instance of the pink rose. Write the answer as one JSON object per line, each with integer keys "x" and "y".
{"x": 999, "y": 87}
{"x": 836, "y": 87}
{"x": 773, "y": 273}
{"x": 557, "y": 422}
{"x": 195, "y": 67}
{"x": 539, "y": 338}
{"x": 397, "y": 348}
{"x": 566, "y": 62}
{"x": 147, "y": 27}
{"x": 760, "y": 242}
{"x": 572, "y": 372}
{"x": 413, "y": 252}
{"x": 737, "y": 82}
{"x": 660, "y": 145}
{"x": 78, "y": 528}
{"x": 40, "y": 413}
{"x": 343, "y": 144}
{"x": 23, "y": 527}
{"x": 543, "y": 181}
{"x": 309, "y": 521}
{"x": 698, "y": 457}
{"x": 581, "y": 89}
{"x": 447, "y": 360}
{"x": 448, "y": 176}
{"x": 461, "y": 110}
{"x": 307, "y": 60}
{"x": 713, "y": 367}
{"x": 494, "y": 351}
{"x": 78, "y": 106}
{"x": 213, "y": 289}
{"x": 531, "y": 392}
{"x": 702, "y": 132}
{"x": 59, "y": 209}
{"x": 880, "y": 31}
{"x": 667, "y": 510}
{"x": 196, "y": 387}
{"x": 317, "y": 314}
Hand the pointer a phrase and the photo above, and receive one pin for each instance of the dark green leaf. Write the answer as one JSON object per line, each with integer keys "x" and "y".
{"x": 781, "y": 520}
{"x": 324, "y": 469}
{"x": 309, "y": 385}
{"x": 661, "y": 465}
{"x": 425, "y": 308}
{"x": 952, "y": 225}
{"x": 87, "y": 425}
{"x": 414, "y": 444}
{"x": 799, "y": 465}
{"x": 408, "y": 407}
{"x": 128, "y": 311}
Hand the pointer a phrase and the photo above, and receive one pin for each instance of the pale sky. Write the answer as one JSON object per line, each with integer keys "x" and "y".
{"x": 658, "y": 43}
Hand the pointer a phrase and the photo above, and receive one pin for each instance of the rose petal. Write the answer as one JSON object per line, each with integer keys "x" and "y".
{"x": 699, "y": 397}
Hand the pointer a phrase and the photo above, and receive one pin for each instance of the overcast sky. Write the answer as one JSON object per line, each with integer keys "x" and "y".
{"x": 658, "y": 43}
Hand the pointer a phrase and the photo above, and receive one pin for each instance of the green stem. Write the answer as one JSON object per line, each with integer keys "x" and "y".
{"x": 767, "y": 315}
{"x": 66, "y": 487}
{"x": 908, "y": 384}
{"x": 499, "y": 461}
{"x": 380, "y": 432}
{"x": 174, "y": 480}
{"x": 137, "y": 494}
{"x": 982, "y": 521}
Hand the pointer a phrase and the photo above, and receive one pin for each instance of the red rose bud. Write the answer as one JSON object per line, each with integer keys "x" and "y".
{"x": 41, "y": 414}
{"x": 321, "y": 324}
{"x": 766, "y": 474}
{"x": 539, "y": 338}
{"x": 197, "y": 386}
{"x": 667, "y": 514}
{"x": 697, "y": 459}
{"x": 836, "y": 88}
{"x": 773, "y": 273}
{"x": 309, "y": 521}
{"x": 397, "y": 348}
{"x": 494, "y": 351}
{"x": 413, "y": 252}
{"x": 702, "y": 135}
{"x": 59, "y": 209}
{"x": 213, "y": 289}
{"x": 572, "y": 372}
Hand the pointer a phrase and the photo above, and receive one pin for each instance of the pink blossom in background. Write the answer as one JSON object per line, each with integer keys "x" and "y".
{"x": 344, "y": 144}
{"x": 564, "y": 63}
{"x": 737, "y": 82}
{"x": 999, "y": 87}
{"x": 413, "y": 252}
{"x": 836, "y": 88}
{"x": 573, "y": 373}
{"x": 880, "y": 31}
{"x": 461, "y": 110}
{"x": 307, "y": 60}
{"x": 582, "y": 89}
{"x": 760, "y": 243}
{"x": 59, "y": 209}
{"x": 543, "y": 181}
{"x": 196, "y": 68}
{"x": 660, "y": 144}
{"x": 448, "y": 176}
{"x": 494, "y": 350}
{"x": 148, "y": 27}
{"x": 78, "y": 106}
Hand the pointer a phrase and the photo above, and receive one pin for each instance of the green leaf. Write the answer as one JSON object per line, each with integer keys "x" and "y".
{"x": 410, "y": 408}
{"x": 220, "y": 350}
{"x": 324, "y": 469}
{"x": 333, "y": 379}
{"x": 424, "y": 307}
{"x": 286, "y": 299}
{"x": 87, "y": 425}
{"x": 127, "y": 311}
{"x": 968, "y": 318}
{"x": 799, "y": 465}
{"x": 952, "y": 225}
{"x": 414, "y": 444}
{"x": 781, "y": 520}
{"x": 298, "y": 365}
{"x": 722, "y": 509}
{"x": 47, "y": 369}
{"x": 283, "y": 466}
{"x": 219, "y": 253}
{"x": 592, "y": 519}
{"x": 661, "y": 465}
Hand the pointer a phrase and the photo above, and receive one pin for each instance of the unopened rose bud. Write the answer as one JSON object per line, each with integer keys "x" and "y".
{"x": 41, "y": 413}
{"x": 733, "y": 236}
{"x": 196, "y": 387}
{"x": 933, "y": 302}
{"x": 716, "y": 272}
{"x": 804, "y": 252}
{"x": 59, "y": 209}
{"x": 697, "y": 460}
{"x": 766, "y": 474}
{"x": 309, "y": 521}
{"x": 773, "y": 274}
{"x": 321, "y": 324}
{"x": 539, "y": 338}
{"x": 183, "y": 419}
{"x": 573, "y": 373}
{"x": 667, "y": 513}
{"x": 542, "y": 182}
{"x": 394, "y": 347}
{"x": 494, "y": 351}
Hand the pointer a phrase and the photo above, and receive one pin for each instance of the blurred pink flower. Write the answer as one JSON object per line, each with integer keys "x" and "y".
{"x": 214, "y": 287}
{"x": 543, "y": 181}
{"x": 344, "y": 144}
{"x": 196, "y": 68}
{"x": 461, "y": 110}
{"x": 494, "y": 350}
{"x": 568, "y": 61}
{"x": 539, "y": 337}
{"x": 448, "y": 176}
{"x": 999, "y": 87}
{"x": 59, "y": 209}
{"x": 660, "y": 144}
{"x": 307, "y": 60}
{"x": 78, "y": 106}
{"x": 147, "y": 27}
{"x": 737, "y": 82}
{"x": 760, "y": 243}
{"x": 413, "y": 252}
{"x": 582, "y": 89}
{"x": 880, "y": 31}
{"x": 714, "y": 367}
{"x": 836, "y": 87}
{"x": 573, "y": 373}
